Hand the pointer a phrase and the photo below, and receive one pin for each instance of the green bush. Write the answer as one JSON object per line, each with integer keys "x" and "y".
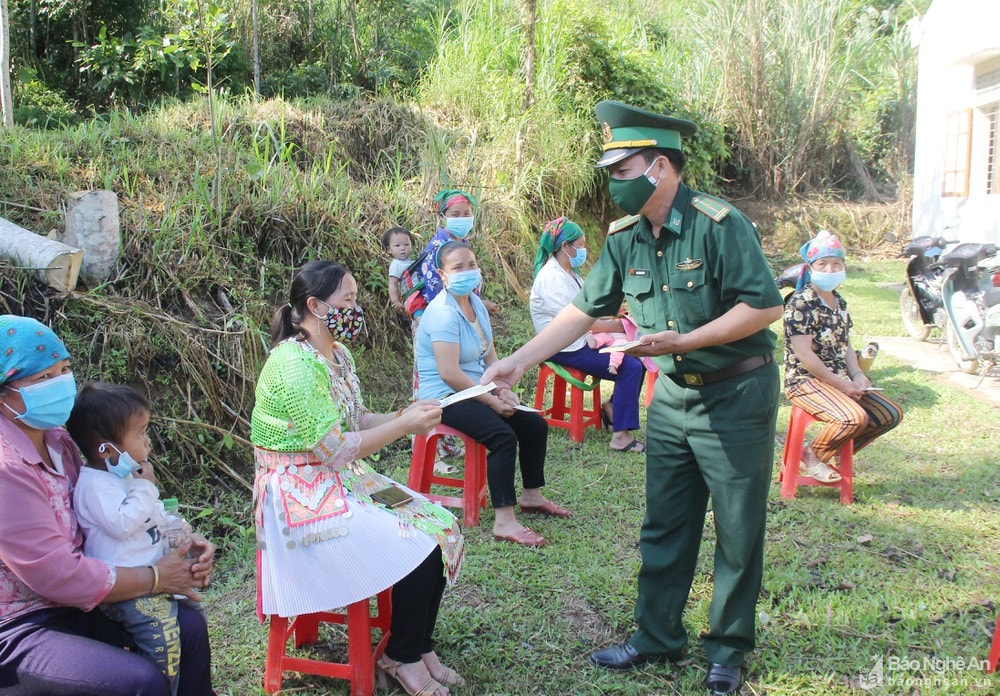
{"x": 38, "y": 106}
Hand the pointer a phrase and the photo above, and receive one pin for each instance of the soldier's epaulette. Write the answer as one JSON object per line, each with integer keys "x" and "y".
{"x": 712, "y": 207}
{"x": 623, "y": 223}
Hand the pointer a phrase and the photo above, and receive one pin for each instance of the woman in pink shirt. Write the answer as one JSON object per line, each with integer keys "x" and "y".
{"x": 51, "y": 639}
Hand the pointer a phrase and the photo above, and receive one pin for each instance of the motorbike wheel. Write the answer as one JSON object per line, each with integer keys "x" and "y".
{"x": 912, "y": 321}
{"x": 955, "y": 348}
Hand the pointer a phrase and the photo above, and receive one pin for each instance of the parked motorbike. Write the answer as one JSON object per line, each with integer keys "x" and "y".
{"x": 920, "y": 303}
{"x": 970, "y": 290}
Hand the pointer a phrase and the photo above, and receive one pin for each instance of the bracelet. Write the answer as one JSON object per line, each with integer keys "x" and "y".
{"x": 399, "y": 412}
{"x": 156, "y": 579}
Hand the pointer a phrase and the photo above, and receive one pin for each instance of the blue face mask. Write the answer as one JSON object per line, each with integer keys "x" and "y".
{"x": 459, "y": 226}
{"x": 463, "y": 282}
{"x": 827, "y": 282}
{"x": 126, "y": 462}
{"x": 579, "y": 259}
{"x": 47, "y": 404}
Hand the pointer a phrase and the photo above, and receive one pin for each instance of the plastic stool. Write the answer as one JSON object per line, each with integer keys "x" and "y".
{"x": 789, "y": 476}
{"x": 359, "y": 669}
{"x": 579, "y": 417}
{"x": 473, "y": 484}
{"x": 991, "y": 661}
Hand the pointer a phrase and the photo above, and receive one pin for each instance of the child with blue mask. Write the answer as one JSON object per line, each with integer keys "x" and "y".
{"x": 120, "y": 511}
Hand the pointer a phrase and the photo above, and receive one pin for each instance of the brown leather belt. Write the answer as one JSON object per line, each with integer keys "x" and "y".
{"x": 742, "y": 367}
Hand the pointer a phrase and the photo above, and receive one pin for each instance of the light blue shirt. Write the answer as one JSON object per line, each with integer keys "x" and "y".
{"x": 443, "y": 321}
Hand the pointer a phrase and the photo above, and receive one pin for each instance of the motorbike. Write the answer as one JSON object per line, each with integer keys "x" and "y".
{"x": 970, "y": 289}
{"x": 920, "y": 303}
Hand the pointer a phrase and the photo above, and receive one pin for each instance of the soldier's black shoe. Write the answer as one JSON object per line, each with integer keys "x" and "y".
{"x": 622, "y": 657}
{"x": 722, "y": 680}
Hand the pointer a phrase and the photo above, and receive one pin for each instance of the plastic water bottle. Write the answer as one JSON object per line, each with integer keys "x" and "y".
{"x": 176, "y": 529}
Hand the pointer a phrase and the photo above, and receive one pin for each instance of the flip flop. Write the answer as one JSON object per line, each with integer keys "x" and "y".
{"x": 547, "y": 508}
{"x": 525, "y": 537}
{"x": 634, "y": 446}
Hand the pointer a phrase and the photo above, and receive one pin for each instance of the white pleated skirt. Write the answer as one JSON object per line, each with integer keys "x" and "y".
{"x": 321, "y": 567}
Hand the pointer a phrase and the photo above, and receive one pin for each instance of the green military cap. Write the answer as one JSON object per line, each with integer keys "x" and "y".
{"x": 627, "y": 130}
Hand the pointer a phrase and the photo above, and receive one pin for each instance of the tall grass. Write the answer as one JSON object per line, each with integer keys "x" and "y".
{"x": 786, "y": 76}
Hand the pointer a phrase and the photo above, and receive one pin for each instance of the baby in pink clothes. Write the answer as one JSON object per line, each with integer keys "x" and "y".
{"x": 606, "y": 338}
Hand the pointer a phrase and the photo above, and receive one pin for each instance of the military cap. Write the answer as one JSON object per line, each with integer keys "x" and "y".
{"x": 627, "y": 130}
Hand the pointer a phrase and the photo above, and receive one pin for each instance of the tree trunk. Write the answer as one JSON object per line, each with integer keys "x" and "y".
{"x": 256, "y": 50}
{"x": 6, "y": 99}
{"x": 56, "y": 264}
{"x": 530, "y": 51}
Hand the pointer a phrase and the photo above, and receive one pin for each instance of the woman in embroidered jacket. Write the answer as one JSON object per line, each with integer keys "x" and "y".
{"x": 323, "y": 541}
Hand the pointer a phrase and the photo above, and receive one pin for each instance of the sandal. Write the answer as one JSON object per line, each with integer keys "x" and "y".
{"x": 547, "y": 508}
{"x": 525, "y": 537}
{"x": 820, "y": 471}
{"x": 634, "y": 446}
{"x": 445, "y": 675}
{"x": 388, "y": 666}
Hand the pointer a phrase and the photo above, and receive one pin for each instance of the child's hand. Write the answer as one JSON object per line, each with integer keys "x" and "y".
{"x": 146, "y": 471}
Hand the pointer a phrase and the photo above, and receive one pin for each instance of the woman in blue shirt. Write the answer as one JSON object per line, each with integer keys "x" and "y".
{"x": 454, "y": 345}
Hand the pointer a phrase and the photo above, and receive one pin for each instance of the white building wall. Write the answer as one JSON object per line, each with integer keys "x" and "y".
{"x": 955, "y": 36}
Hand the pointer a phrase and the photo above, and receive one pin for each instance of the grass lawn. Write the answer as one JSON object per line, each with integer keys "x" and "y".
{"x": 905, "y": 579}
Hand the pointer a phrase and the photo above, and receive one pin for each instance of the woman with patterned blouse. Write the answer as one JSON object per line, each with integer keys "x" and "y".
{"x": 326, "y": 539}
{"x": 822, "y": 375}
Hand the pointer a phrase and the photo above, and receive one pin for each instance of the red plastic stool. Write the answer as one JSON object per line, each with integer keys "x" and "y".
{"x": 789, "y": 476}
{"x": 579, "y": 417}
{"x": 360, "y": 667}
{"x": 991, "y": 661}
{"x": 473, "y": 485}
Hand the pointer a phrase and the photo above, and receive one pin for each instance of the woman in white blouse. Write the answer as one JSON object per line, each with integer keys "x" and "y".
{"x": 562, "y": 249}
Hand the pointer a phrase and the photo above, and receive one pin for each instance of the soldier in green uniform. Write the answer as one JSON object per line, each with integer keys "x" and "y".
{"x": 694, "y": 274}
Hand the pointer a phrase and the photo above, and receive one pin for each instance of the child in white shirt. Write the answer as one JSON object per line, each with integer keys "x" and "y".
{"x": 120, "y": 512}
{"x": 398, "y": 242}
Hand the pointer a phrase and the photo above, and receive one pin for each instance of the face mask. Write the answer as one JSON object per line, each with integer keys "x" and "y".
{"x": 126, "y": 462}
{"x": 47, "y": 404}
{"x": 631, "y": 194}
{"x": 579, "y": 259}
{"x": 344, "y": 323}
{"x": 827, "y": 281}
{"x": 463, "y": 282}
{"x": 459, "y": 226}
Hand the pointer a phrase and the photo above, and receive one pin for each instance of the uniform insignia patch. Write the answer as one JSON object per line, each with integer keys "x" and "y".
{"x": 623, "y": 223}
{"x": 606, "y": 132}
{"x": 713, "y": 208}
{"x": 689, "y": 264}
{"x": 639, "y": 272}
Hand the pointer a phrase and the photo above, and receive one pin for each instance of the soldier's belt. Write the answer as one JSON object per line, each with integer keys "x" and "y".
{"x": 689, "y": 379}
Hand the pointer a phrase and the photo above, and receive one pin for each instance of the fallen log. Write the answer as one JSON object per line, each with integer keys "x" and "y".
{"x": 55, "y": 264}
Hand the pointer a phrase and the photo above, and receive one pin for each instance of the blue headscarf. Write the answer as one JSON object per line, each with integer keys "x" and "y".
{"x": 824, "y": 245}
{"x": 29, "y": 346}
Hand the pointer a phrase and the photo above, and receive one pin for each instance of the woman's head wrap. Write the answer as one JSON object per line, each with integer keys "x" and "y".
{"x": 824, "y": 245}
{"x": 449, "y": 197}
{"x": 29, "y": 346}
{"x": 556, "y": 233}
